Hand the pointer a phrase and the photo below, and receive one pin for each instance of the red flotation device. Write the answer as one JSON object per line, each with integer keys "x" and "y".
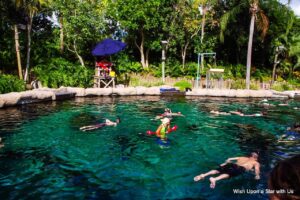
{"x": 174, "y": 128}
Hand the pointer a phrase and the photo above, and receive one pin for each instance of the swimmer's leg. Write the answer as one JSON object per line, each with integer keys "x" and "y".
{"x": 92, "y": 127}
{"x": 202, "y": 176}
{"x": 85, "y": 128}
{"x": 214, "y": 180}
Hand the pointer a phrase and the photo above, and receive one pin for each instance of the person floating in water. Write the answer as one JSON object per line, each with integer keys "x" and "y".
{"x": 163, "y": 129}
{"x": 168, "y": 113}
{"x": 96, "y": 126}
{"x": 292, "y": 134}
{"x": 229, "y": 169}
{"x": 240, "y": 113}
{"x": 219, "y": 113}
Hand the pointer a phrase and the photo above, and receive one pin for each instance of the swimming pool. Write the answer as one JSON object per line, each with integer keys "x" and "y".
{"x": 47, "y": 157}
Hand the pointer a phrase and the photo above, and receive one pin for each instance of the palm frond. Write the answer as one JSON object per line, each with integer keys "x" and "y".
{"x": 226, "y": 18}
{"x": 262, "y": 23}
{"x": 290, "y": 24}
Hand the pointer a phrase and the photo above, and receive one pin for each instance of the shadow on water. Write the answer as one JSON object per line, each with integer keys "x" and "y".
{"x": 39, "y": 159}
{"x": 83, "y": 119}
{"x": 254, "y": 139}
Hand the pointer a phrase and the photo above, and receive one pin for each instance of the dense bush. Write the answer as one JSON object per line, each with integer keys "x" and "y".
{"x": 238, "y": 84}
{"x": 59, "y": 72}
{"x": 183, "y": 85}
{"x": 125, "y": 65}
{"x": 10, "y": 83}
{"x": 281, "y": 86}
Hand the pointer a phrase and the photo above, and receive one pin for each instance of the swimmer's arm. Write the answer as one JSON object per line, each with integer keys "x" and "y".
{"x": 257, "y": 171}
{"x": 169, "y": 128}
{"x": 231, "y": 159}
{"x": 282, "y": 137}
{"x": 228, "y": 160}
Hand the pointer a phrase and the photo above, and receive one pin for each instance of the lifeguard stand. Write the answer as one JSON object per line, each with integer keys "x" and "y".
{"x": 213, "y": 74}
{"x": 104, "y": 75}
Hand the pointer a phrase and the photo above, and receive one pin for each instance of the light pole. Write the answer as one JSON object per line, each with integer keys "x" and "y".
{"x": 163, "y": 58}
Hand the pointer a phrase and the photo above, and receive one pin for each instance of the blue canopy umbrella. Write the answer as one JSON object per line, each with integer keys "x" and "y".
{"x": 108, "y": 47}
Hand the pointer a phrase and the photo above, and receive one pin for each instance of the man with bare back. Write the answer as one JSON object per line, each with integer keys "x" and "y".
{"x": 229, "y": 169}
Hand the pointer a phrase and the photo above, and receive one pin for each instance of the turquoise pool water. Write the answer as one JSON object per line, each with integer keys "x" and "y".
{"x": 47, "y": 157}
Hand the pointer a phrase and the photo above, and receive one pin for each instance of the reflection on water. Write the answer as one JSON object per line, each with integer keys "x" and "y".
{"x": 46, "y": 156}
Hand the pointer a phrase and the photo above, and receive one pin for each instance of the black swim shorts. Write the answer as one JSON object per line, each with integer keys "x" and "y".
{"x": 231, "y": 169}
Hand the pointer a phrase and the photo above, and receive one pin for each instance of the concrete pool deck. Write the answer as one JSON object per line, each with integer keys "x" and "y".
{"x": 48, "y": 94}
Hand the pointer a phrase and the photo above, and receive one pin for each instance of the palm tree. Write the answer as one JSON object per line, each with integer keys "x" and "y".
{"x": 258, "y": 17}
{"x": 17, "y": 45}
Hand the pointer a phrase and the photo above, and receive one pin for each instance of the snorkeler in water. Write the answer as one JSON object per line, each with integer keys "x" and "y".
{"x": 216, "y": 112}
{"x": 231, "y": 169}
{"x": 292, "y": 134}
{"x": 96, "y": 126}
{"x": 169, "y": 113}
{"x": 240, "y": 113}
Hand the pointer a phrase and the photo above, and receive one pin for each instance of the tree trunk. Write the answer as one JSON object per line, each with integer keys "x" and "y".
{"x": 183, "y": 54}
{"x": 29, "y": 27}
{"x": 18, "y": 51}
{"x": 77, "y": 54}
{"x": 203, "y": 23}
{"x": 142, "y": 56}
{"x": 147, "y": 58}
{"x": 141, "y": 49}
{"x": 61, "y": 29}
{"x": 274, "y": 68}
{"x": 249, "y": 53}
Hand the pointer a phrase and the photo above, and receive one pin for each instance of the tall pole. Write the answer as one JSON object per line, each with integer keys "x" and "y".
{"x": 198, "y": 69}
{"x": 163, "y": 58}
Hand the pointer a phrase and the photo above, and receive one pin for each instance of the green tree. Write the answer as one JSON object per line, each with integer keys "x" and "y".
{"x": 187, "y": 25}
{"x": 143, "y": 21}
{"x": 31, "y": 8}
{"x": 82, "y": 23}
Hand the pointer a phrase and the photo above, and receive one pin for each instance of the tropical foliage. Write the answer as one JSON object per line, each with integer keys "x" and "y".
{"x": 10, "y": 83}
{"x": 59, "y": 72}
{"x": 52, "y": 40}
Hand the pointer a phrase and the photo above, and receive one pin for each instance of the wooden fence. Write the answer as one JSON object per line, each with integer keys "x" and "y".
{"x": 148, "y": 80}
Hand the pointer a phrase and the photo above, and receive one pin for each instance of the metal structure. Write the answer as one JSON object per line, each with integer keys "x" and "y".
{"x": 209, "y": 76}
{"x": 200, "y": 62}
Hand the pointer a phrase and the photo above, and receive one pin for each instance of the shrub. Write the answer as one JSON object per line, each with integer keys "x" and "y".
{"x": 281, "y": 86}
{"x": 60, "y": 72}
{"x": 238, "y": 84}
{"x": 140, "y": 81}
{"x": 183, "y": 84}
{"x": 10, "y": 83}
{"x": 254, "y": 86}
